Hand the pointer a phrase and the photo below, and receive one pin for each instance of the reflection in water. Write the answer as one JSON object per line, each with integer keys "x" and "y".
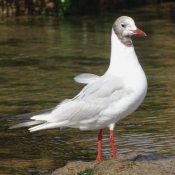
{"x": 39, "y": 58}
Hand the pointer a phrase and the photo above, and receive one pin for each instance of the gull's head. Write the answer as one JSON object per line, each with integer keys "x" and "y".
{"x": 125, "y": 26}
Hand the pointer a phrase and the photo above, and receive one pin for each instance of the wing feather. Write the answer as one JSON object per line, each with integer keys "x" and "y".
{"x": 86, "y": 78}
{"x": 94, "y": 98}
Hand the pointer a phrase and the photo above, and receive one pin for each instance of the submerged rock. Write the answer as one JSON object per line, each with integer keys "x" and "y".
{"x": 129, "y": 164}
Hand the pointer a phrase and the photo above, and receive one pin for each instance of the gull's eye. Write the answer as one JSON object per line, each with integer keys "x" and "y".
{"x": 123, "y": 25}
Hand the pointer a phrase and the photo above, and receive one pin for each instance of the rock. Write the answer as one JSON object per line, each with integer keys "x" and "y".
{"x": 126, "y": 164}
{"x": 74, "y": 167}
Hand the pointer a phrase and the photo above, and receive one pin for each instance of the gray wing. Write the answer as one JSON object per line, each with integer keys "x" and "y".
{"x": 94, "y": 98}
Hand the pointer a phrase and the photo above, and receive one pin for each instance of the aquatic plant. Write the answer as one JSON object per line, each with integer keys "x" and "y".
{"x": 87, "y": 171}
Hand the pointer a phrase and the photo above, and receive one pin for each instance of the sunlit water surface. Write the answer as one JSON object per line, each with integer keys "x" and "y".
{"x": 39, "y": 56}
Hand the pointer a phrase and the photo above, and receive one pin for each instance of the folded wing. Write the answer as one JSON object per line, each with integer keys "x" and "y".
{"x": 94, "y": 98}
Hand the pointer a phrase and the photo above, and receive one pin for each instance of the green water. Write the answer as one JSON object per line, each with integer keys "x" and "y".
{"x": 39, "y": 56}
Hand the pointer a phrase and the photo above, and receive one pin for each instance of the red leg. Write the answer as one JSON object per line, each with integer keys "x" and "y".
{"x": 112, "y": 144}
{"x": 99, "y": 157}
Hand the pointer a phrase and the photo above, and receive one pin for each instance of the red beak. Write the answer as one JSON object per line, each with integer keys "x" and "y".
{"x": 139, "y": 32}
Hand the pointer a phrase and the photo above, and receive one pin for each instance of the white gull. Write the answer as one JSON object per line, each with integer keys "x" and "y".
{"x": 105, "y": 99}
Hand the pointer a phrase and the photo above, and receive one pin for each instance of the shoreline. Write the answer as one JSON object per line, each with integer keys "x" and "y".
{"x": 125, "y": 164}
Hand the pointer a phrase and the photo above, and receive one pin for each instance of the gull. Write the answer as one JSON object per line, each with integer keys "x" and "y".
{"x": 105, "y": 99}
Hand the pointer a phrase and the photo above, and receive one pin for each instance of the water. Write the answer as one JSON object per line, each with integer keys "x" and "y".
{"x": 39, "y": 56}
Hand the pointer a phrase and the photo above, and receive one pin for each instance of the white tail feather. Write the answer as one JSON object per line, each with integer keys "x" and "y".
{"x": 45, "y": 117}
{"x": 49, "y": 126}
{"x": 25, "y": 124}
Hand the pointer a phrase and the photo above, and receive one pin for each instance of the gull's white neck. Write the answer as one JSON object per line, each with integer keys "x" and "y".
{"x": 123, "y": 58}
